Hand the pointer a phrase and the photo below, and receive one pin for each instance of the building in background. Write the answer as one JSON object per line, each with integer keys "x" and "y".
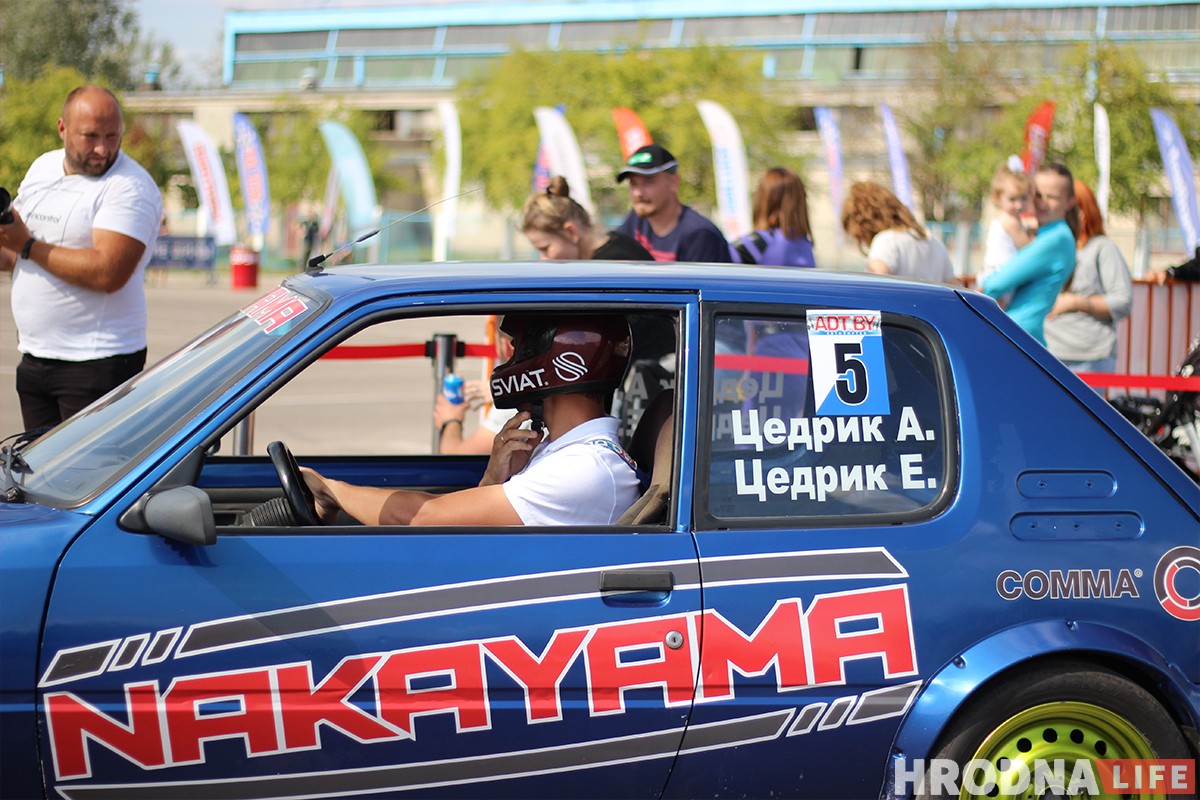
{"x": 398, "y": 62}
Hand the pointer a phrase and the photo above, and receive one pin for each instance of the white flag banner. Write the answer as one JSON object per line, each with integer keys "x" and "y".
{"x": 562, "y": 149}
{"x": 445, "y": 215}
{"x": 729, "y": 169}
{"x": 1103, "y": 158}
{"x": 208, "y": 173}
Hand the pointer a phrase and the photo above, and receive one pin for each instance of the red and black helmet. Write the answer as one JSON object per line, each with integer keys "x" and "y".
{"x": 561, "y": 354}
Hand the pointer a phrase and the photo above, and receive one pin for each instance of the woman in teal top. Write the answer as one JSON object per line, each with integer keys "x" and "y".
{"x": 1040, "y": 270}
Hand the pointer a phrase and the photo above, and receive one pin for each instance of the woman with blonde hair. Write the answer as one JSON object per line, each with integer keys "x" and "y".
{"x": 891, "y": 238}
{"x": 1081, "y": 328}
{"x": 782, "y": 235}
{"x": 561, "y": 229}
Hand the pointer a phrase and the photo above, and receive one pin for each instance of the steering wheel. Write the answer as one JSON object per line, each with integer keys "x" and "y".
{"x": 299, "y": 497}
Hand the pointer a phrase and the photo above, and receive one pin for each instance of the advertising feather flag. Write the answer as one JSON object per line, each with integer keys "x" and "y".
{"x": 445, "y": 216}
{"x": 208, "y": 174}
{"x": 353, "y": 175}
{"x": 729, "y": 169}
{"x": 631, "y": 131}
{"x": 562, "y": 151}
{"x": 1103, "y": 145}
{"x": 831, "y": 142}
{"x": 252, "y": 175}
{"x": 901, "y": 183}
{"x": 1037, "y": 136}
{"x": 1178, "y": 165}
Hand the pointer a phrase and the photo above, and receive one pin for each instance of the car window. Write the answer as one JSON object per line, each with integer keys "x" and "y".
{"x": 373, "y": 394}
{"x": 833, "y": 415}
{"x": 367, "y": 409}
{"x": 92, "y": 449}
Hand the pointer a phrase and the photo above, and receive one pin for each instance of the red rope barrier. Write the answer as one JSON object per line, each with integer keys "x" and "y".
{"x": 1173, "y": 383}
{"x": 377, "y": 351}
{"x": 740, "y": 363}
{"x": 479, "y": 351}
{"x": 355, "y": 351}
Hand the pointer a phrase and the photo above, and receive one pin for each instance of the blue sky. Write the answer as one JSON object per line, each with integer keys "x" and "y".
{"x": 192, "y": 27}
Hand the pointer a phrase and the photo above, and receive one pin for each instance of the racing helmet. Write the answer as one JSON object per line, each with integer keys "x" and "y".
{"x": 561, "y": 354}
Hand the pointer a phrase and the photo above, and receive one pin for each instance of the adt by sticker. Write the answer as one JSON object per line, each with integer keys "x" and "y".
{"x": 849, "y": 376}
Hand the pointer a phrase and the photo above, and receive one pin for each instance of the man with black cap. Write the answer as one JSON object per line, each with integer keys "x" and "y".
{"x": 666, "y": 227}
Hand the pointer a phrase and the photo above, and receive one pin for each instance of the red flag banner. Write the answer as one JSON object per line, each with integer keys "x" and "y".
{"x": 631, "y": 131}
{"x": 1037, "y": 136}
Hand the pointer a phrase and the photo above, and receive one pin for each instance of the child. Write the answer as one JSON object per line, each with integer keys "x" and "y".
{"x": 1007, "y": 234}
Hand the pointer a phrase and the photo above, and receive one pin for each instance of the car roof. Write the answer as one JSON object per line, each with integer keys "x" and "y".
{"x": 366, "y": 280}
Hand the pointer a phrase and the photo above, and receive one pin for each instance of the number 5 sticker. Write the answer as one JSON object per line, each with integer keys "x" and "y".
{"x": 849, "y": 376}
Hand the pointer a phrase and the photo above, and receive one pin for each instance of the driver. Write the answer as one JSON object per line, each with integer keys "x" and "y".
{"x": 562, "y": 374}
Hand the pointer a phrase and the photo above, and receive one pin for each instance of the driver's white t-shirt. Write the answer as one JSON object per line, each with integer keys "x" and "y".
{"x": 59, "y": 320}
{"x": 581, "y": 478}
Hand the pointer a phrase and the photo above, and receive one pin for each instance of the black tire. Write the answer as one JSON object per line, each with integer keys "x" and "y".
{"x": 1057, "y": 699}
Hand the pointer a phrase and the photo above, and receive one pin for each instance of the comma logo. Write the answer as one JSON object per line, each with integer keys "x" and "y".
{"x": 1177, "y": 572}
{"x": 569, "y": 366}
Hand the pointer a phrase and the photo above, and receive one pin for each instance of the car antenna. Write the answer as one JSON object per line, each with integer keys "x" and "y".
{"x": 314, "y": 263}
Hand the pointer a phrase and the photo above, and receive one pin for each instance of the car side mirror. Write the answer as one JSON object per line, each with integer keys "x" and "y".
{"x": 182, "y": 514}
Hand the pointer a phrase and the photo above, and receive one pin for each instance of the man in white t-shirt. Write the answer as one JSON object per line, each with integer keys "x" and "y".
{"x": 562, "y": 372}
{"x": 85, "y": 221}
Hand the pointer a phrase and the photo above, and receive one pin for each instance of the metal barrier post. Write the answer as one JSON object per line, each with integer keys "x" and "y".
{"x": 443, "y": 349}
{"x": 243, "y": 436}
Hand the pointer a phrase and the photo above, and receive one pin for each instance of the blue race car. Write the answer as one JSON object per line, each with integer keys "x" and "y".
{"x": 888, "y": 547}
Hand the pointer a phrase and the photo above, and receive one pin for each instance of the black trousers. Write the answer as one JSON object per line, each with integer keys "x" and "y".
{"x": 52, "y": 390}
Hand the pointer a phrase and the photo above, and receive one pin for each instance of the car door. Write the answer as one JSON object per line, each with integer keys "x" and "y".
{"x": 901, "y": 499}
{"x": 347, "y": 661}
{"x": 826, "y": 430}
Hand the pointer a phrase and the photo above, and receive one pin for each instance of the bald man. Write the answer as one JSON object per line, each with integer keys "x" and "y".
{"x": 85, "y": 221}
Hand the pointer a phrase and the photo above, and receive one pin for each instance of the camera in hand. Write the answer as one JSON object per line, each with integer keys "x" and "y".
{"x": 6, "y": 216}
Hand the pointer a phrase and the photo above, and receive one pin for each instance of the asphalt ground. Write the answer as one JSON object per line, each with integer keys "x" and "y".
{"x": 342, "y": 406}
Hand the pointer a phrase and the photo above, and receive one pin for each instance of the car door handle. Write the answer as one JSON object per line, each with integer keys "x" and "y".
{"x": 637, "y": 580}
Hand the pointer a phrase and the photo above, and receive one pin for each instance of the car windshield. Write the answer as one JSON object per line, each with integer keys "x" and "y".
{"x": 85, "y": 454}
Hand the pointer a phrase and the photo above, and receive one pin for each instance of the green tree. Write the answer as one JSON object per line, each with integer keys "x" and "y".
{"x": 1117, "y": 78}
{"x": 966, "y": 129}
{"x": 29, "y": 112}
{"x": 152, "y": 142}
{"x": 297, "y": 160}
{"x": 500, "y": 136}
{"x": 978, "y": 114}
{"x": 296, "y": 157}
{"x": 97, "y": 38}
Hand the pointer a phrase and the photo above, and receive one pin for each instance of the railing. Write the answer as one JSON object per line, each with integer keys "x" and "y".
{"x": 1154, "y": 338}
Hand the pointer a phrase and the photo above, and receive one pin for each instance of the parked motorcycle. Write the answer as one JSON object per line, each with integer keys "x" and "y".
{"x": 1172, "y": 423}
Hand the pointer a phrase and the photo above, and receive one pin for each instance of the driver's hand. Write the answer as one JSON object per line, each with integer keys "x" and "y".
{"x": 511, "y": 450}
{"x": 326, "y": 501}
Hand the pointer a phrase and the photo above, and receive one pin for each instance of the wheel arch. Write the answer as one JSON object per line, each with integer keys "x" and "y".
{"x": 1037, "y": 643}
